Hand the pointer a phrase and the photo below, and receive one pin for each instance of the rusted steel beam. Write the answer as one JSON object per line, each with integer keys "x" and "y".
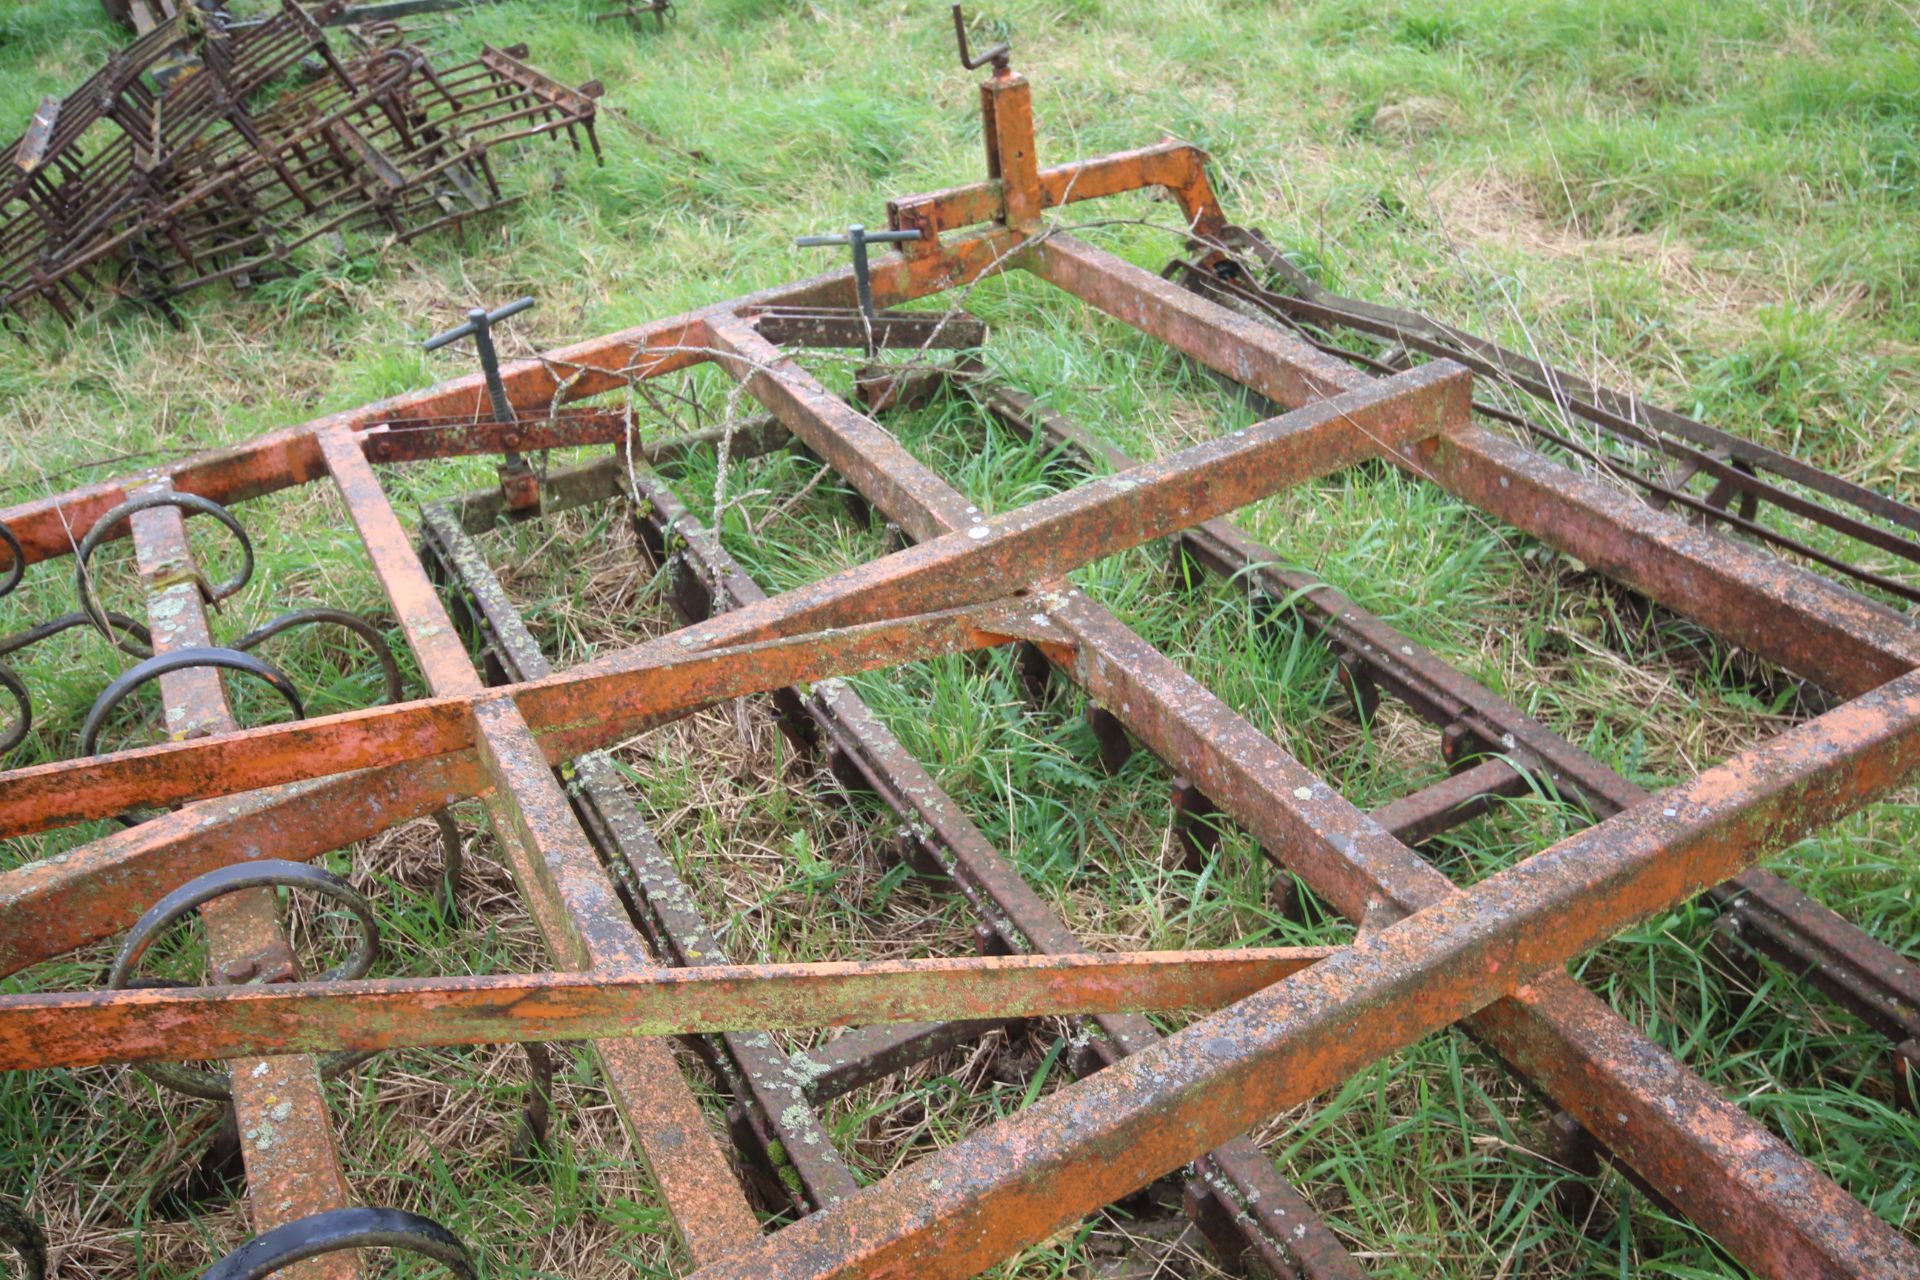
{"x": 1288, "y": 371}
{"x": 564, "y": 888}
{"x": 1455, "y": 799}
{"x": 570, "y": 712}
{"x": 1013, "y": 164}
{"x": 1656, "y": 1115}
{"x": 839, "y": 327}
{"x": 565, "y": 488}
{"x": 870, "y": 1054}
{"x": 1737, "y": 464}
{"x": 1660, "y": 1118}
{"x": 416, "y": 440}
{"x": 1235, "y": 1186}
{"x": 784, "y": 1127}
{"x": 1774, "y": 608}
{"x": 1237, "y": 1195}
{"x": 1048, "y": 538}
{"x": 279, "y": 1107}
{"x": 1787, "y": 614}
{"x": 1015, "y": 1183}
{"x": 1176, "y": 167}
{"x": 51, "y": 906}
{"x": 97, "y": 1027}
{"x": 966, "y": 568}
{"x": 1435, "y": 691}
{"x": 50, "y": 527}
{"x": 1870, "y": 979}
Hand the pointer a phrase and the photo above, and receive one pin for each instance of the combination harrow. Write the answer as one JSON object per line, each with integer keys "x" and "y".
{"x": 632, "y": 960}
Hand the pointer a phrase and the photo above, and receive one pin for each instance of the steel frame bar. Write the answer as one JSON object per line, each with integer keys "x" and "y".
{"x": 1736, "y": 465}
{"x": 1674, "y": 1121}
{"x": 1867, "y": 977}
{"x": 946, "y": 594}
{"x": 1487, "y": 955}
{"x": 613, "y": 1001}
{"x": 278, "y": 1105}
{"x": 779, "y": 1123}
{"x": 1786, "y": 614}
{"x": 52, "y": 906}
{"x": 958, "y": 1211}
{"x": 1234, "y": 1195}
{"x": 558, "y": 878}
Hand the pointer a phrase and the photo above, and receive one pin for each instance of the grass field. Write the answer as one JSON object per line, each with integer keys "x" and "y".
{"x": 1716, "y": 203}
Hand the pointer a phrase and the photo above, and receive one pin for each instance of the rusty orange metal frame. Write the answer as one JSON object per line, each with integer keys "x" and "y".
{"x": 95, "y": 1027}
{"x": 1489, "y": 957}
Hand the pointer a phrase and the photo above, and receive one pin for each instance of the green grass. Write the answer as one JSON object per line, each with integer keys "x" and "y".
{"x": 1715, "y": 203}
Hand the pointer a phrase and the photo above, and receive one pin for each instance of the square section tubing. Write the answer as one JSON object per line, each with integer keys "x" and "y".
{"x": 1015, "y": 1183}
{"x": 965, "y": 590}
{"x": 560, "y": 880}
{"x": 1663, "y": 1120}
{"x": 279, "y": 1104}
{"x": 754, "y": 1069}
{"x": 1267, "y": 1215}
{"x": 1784, "y": 613}
{"x": 1865, "y": 976}
{"x": 51, "y": 527}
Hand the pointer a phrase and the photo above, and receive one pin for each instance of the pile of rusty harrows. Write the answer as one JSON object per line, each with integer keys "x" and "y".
{"x": 632, "y": 960}
{"x": 187, "y": 158}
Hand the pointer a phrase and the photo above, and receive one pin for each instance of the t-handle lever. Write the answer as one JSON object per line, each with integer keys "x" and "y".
{"x": 859, "y": 237}
{"x": 479, "y": 327}
{"x": 997, "y": 55}
{"x": 517, "y": 480}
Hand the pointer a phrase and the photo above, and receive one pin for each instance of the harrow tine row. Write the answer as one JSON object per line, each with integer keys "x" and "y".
{"x": 280, "y": 1109}
{"x": 1493, "y": 747}
{"x": 1234, "y": 1195}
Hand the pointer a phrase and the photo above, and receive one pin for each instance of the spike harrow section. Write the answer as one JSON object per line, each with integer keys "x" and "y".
{"x": 183, "y": 161}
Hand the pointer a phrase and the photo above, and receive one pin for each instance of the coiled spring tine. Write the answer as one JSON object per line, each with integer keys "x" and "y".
{"x": 530, "y": 1138}
{"x": 17, "y": 562}
{"x": 180, "y": 660}
{"x": 16, "y": 729}
{"x": 187, "y": 502}
{"x": 341, "y": 1229}
{"x": 382, "y": 651}
{"x": 215, "y": 1086}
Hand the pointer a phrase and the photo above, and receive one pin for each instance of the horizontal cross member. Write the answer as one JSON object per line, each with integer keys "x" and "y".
{"x": 959, "y": 1211}
{"x": 945, "y": 595}
{"x": 572, "y": 713}
{"x": 97, "y": 1027}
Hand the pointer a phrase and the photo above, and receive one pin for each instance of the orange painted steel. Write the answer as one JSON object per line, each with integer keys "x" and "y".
{"x": 280, "y": 1109}
{"x": 1488, "y": 957}
{"x": 92, "y": 1028}
{"x": 945, "y": 595}
{"x": 1655, "y": 1113}
{"x": 959, "y": 1211}
{"x": 558, "y": 878}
